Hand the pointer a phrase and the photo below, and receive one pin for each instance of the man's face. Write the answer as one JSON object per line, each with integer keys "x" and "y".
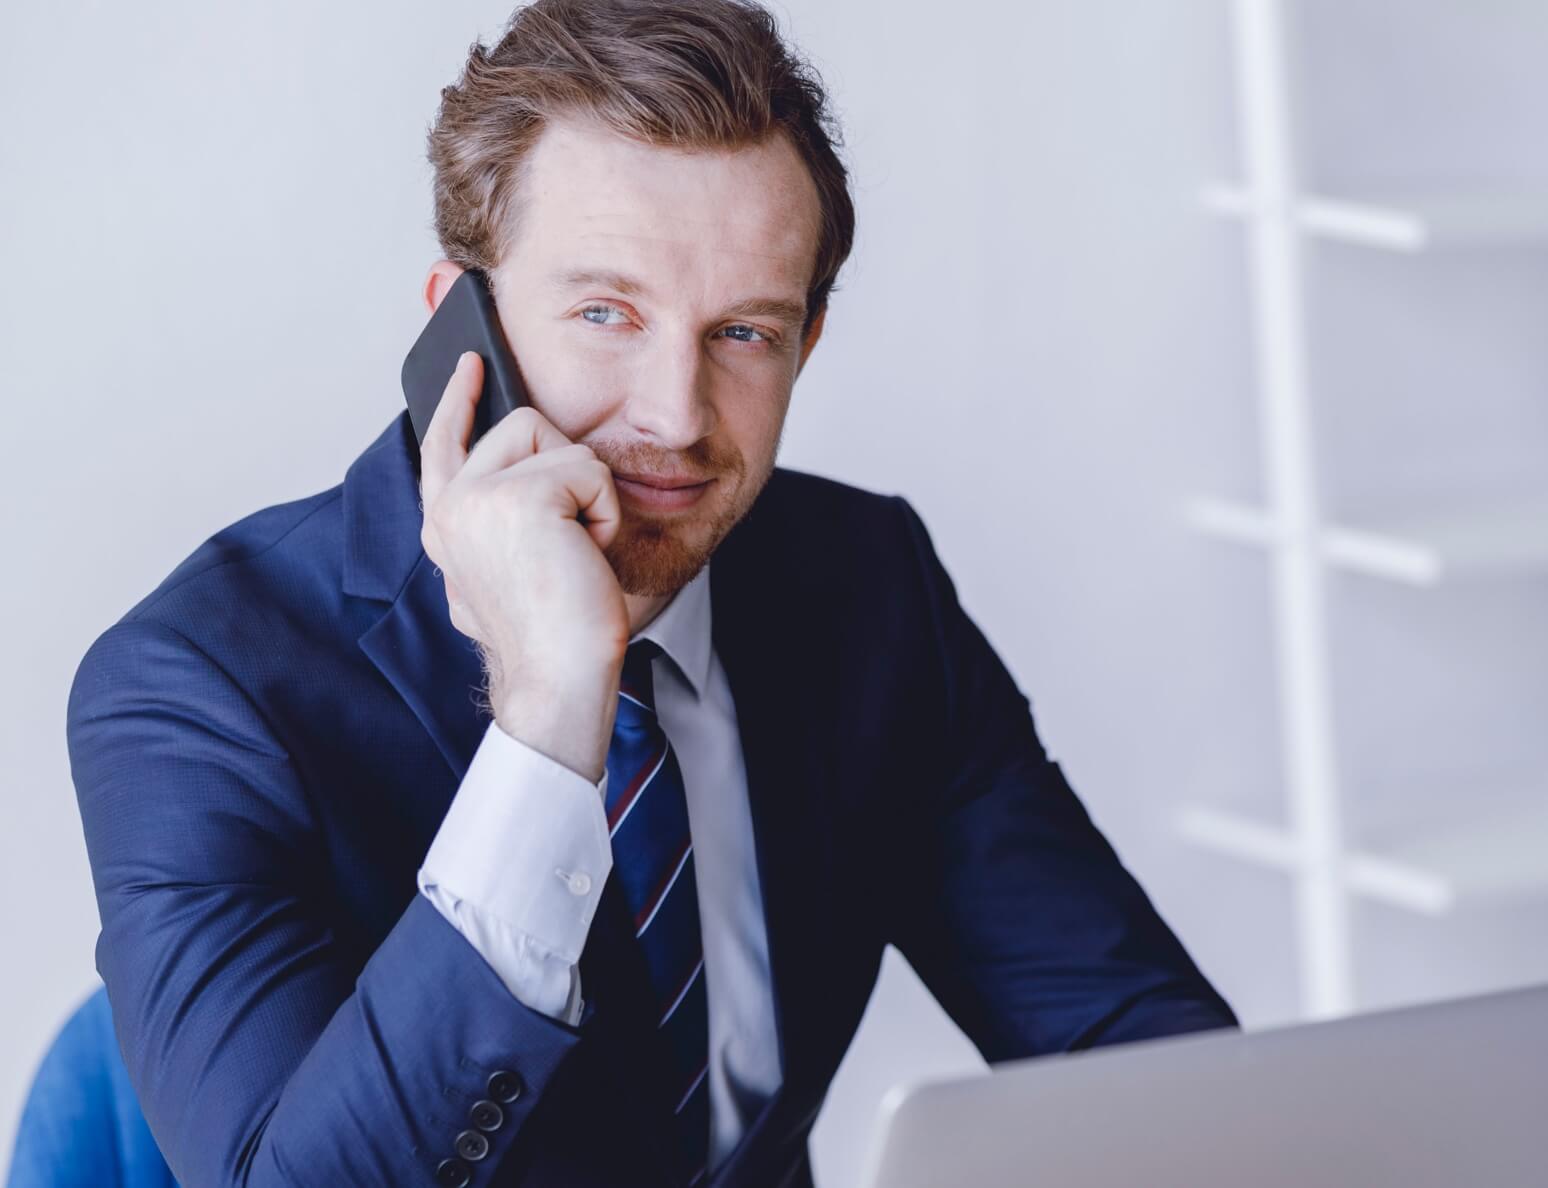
{"x": 653, "y": 299}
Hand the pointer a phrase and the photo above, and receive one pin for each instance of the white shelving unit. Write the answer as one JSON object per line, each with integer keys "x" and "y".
{"x": 1434, "y": 875}
{"x": 1399, "y": 222}
{"x": 1417, "y": 552}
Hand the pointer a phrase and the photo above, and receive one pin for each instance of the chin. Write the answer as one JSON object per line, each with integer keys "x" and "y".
{"x": 654, "y": 558}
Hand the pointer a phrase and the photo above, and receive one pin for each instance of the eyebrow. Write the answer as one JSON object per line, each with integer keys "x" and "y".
{"x": 792, "y": 312}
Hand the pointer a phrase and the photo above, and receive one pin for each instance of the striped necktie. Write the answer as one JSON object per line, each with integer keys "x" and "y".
{"x": 647, "y": 819}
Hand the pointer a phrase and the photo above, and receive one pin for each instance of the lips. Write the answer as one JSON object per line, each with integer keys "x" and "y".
{"x": 661, "y": 494}
{"x": 661, "y": 482}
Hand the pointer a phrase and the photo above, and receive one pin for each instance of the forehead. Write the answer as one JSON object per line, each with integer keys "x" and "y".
{"x": 591, "y": 195}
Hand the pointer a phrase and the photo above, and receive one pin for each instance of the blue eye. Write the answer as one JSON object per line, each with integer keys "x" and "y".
{"x": 602, "y": 309}
{"x": 743, "y": 326}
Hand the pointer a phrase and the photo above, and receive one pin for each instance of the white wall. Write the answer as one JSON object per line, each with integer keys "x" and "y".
{"x": 214, "y": 221}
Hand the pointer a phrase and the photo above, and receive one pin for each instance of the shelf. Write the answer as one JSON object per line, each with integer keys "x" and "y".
{"x": 1504, "y": 541}
{"x": 1412, "y": 222}
{"x": 1503, "y": 856}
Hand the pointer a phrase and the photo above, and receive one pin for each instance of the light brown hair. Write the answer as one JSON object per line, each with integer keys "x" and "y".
{"x": 686, "y": 74}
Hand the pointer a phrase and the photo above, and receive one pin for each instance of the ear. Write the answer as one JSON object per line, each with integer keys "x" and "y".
{"x": 812, "y": 336}
{"x": 442, "y": 274}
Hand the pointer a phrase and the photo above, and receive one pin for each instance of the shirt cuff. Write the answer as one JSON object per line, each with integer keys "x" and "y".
{"x": 534, "y": 976}
{"x": 525, "y": 843}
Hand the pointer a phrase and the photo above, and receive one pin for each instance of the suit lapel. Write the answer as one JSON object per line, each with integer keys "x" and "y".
{"x": 772, "y": 649}
{"x": 433, "y": 666}
{"x": 773, "y": 632}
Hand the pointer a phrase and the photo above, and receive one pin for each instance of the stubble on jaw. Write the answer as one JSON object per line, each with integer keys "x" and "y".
{"x": 650, "y": 558}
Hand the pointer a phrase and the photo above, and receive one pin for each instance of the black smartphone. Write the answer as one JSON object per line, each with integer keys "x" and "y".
{"x": 465, "y": 320}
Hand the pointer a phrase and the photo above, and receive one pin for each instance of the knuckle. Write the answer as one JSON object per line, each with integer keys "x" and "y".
{"x": 525, "y": 417}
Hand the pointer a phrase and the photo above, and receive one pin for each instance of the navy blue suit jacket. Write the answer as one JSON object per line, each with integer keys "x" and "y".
{"x": 264, "y": 746}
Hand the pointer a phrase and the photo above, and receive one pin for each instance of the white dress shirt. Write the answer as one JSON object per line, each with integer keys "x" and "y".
{"x": 519, "y": 862}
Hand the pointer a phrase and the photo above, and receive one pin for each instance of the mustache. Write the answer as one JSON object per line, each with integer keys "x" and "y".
{"x": 701, "y": 461}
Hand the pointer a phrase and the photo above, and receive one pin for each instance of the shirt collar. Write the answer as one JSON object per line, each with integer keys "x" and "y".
{"x": 682, "y": 630}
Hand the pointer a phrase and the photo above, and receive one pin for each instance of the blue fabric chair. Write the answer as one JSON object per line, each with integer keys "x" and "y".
{"x": 82, "y": 1124}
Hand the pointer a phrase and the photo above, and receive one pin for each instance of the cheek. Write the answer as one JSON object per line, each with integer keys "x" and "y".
{"x": 753, "y": 421}
{"x": 576, "y": 393}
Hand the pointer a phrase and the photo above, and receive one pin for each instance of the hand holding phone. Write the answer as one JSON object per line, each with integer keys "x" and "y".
{"x": 525, "y": 577}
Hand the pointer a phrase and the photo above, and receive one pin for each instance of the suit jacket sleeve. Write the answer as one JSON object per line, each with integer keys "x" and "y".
{"x": 262, "y": 1052}
{"x": 1019, "y": 916}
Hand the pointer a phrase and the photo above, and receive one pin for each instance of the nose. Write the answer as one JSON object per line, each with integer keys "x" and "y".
{"x": 671, "y": 399}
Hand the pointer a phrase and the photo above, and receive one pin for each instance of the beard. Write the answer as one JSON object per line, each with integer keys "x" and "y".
{"x": 654, "y": 556}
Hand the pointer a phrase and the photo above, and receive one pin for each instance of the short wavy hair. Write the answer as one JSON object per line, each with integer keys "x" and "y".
{"x": 686, "y": 74}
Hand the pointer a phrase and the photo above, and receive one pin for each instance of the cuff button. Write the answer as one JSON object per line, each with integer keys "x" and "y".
{"x": 505, "y": 1086}
{"x": 453, "y": 1173}
{"x": 472, "y": 1145}
{"x": 487, "y": 1116}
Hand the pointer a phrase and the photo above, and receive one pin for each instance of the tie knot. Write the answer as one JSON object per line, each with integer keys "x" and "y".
{"x": 637, "y": 681}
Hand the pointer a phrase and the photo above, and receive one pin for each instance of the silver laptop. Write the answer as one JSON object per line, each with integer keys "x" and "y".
{"x": 1450, "y": 1095}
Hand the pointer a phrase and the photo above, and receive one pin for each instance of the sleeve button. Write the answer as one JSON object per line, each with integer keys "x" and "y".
{"x": 505, "y": 1086}
{"x": 453, "y": 1173}
{"x": 487, "y": 1116}
{"x": 472, "y": 1145}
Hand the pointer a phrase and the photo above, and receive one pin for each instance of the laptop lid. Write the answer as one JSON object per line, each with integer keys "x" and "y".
{"x": 1434, "y": 1096}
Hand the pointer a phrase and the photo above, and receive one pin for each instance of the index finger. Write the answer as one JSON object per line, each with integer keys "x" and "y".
{"x": 520, "y": 435}
{"x": 445, "y": 447}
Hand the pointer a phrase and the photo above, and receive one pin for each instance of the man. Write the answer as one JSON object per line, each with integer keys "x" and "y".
{"x": 464, "y": 824}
